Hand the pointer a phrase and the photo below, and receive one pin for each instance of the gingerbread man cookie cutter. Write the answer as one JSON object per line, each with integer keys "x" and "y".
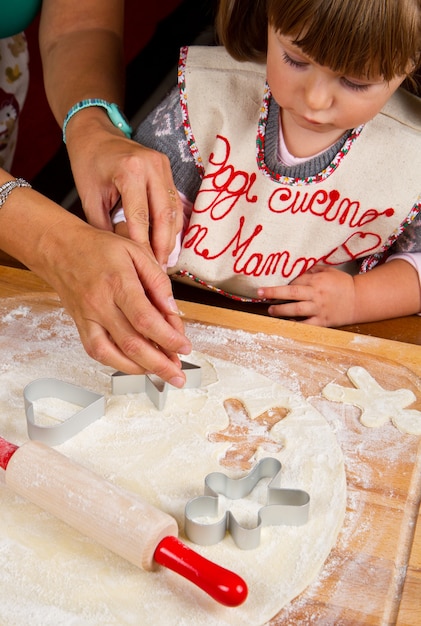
{"x": 155, "y": 388}
{"x": 284, "y": 506}
{"x": 93, "y": 407}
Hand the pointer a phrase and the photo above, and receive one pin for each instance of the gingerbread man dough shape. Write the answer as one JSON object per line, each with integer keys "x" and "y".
{"x": 377, "y": 405}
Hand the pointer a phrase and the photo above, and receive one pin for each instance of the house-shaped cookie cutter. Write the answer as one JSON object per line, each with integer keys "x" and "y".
{"x": 284, "y": 506}
{"x": 93, "y": 407}
{"x": 155, "y": 388}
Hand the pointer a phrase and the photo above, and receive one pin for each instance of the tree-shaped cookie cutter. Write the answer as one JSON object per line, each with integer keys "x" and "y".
{"x": 284, "y": 506}
{"x": 93, "y": 407}
{"x": 155, "y": 388}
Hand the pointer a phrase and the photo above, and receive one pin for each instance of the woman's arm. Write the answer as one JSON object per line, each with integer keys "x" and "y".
{"x": 81, "y": 46}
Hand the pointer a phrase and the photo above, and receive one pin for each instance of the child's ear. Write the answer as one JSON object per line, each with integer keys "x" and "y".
{"x": 412, "y": 82}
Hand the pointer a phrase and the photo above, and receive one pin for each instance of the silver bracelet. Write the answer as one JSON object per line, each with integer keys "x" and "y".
{"x": 7, "y": 188}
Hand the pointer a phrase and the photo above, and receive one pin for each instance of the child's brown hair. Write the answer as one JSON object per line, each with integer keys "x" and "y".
{"x": 361, "y": 38}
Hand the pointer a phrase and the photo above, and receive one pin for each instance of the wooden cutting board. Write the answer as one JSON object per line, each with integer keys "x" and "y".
{"x": 363, "y": 581}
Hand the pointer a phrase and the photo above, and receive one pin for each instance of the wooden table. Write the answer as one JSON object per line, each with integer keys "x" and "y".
{"x": 14, "y": 282}
{"x": 405, "y": 329}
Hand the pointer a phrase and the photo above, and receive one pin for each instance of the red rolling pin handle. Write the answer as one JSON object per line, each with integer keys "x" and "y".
{"x": 221, "y": 584}
{"x": 6, "y": 452}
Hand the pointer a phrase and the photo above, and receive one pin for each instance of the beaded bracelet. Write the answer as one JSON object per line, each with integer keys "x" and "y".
{"x": 114, "y": 112}
{"x": 7, "y": 188}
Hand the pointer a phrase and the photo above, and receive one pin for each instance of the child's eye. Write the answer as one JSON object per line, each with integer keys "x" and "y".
{"x": 354, "y": 86}
{"x": 292, "y": 62}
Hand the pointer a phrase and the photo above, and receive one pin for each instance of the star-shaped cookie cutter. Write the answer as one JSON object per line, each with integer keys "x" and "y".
{"x": 155, "y": 388}
{"x": 284, "y": 506}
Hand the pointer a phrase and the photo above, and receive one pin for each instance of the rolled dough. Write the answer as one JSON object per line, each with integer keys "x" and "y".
{"x": 51, "y": 575}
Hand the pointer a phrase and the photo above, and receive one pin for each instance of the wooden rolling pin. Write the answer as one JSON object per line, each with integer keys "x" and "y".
{"x": 112, "y": 516}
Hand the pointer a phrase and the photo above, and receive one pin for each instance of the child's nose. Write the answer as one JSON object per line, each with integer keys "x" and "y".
{"x": 318, "y": 93}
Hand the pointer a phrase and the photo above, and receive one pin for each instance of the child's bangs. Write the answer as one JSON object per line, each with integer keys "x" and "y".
{"x": 355, "y": 38}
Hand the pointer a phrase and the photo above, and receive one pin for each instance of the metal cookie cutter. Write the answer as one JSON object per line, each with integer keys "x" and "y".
{"x": 93, "y": 408}
{"x": 155, "y": 387}
{"x": 284, "y": 506}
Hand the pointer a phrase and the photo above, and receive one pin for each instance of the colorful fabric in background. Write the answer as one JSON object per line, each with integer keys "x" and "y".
{"x": 14, "y": 80}
{"x": 16, "y": 15}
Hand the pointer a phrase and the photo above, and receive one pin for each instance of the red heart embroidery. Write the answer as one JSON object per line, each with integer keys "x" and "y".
{"x": 357, "y": 245}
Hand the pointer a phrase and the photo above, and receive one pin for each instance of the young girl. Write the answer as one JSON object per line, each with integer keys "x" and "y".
{"x": 297, "y": 158}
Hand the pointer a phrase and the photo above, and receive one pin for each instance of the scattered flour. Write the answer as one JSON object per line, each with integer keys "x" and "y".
{"x": 53, "y": 575}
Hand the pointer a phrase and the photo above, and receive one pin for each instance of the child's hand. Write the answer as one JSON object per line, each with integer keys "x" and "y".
{"x": 323, "y": 296}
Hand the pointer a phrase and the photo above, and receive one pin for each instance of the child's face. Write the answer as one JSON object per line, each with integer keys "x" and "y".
{"x": 314, "y": 98}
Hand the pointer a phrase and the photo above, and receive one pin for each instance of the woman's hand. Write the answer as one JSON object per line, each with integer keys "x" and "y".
{"x": 118, "y": 295}
{"x": 108, "y": 168}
